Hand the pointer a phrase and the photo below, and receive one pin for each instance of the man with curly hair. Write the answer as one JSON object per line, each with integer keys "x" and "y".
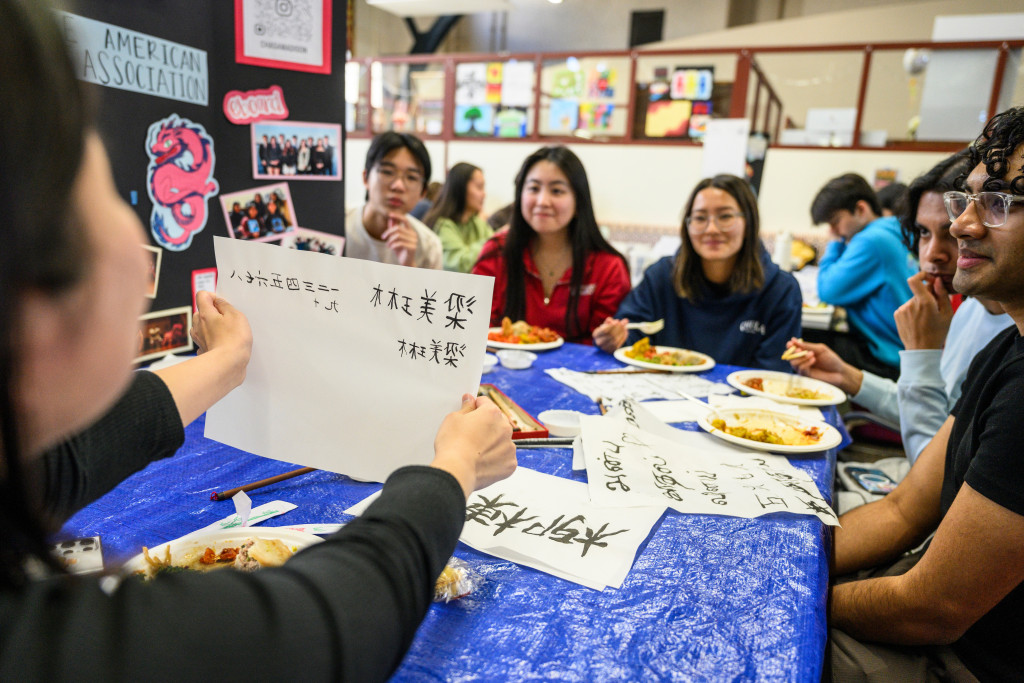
{"x": 954, "y": 609}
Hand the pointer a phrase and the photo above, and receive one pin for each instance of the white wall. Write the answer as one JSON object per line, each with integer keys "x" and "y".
{"x": 648, "y": 184}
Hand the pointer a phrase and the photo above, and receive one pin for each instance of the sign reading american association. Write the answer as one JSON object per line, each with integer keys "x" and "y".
{"x": 117, "y": 57}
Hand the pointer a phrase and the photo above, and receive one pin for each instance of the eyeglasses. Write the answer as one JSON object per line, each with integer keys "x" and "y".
{"x": 388, "y": 174}
{"x": 724, "y": 221}
{"x": 993, "y": 207}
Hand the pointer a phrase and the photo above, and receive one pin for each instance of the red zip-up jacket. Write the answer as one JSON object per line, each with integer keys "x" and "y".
{"x": 605, "y": 285}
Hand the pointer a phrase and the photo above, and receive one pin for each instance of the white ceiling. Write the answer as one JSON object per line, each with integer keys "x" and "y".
{"x": 424, "y": 8}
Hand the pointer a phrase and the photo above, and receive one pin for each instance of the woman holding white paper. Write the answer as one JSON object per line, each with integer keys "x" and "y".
{"x": 74, "y": 421}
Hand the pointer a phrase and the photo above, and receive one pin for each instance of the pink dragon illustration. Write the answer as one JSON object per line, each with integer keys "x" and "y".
{"x": 180, "y": 179}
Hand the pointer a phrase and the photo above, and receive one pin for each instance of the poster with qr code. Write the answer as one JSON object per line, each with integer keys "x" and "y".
{"x": 284, "y": 34}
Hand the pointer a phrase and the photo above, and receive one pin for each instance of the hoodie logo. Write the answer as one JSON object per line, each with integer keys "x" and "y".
{"x": 752, "y": 327}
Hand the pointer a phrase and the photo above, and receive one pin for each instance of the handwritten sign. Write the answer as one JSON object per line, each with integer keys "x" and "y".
{"x": 117, "y": 57}
{"x": 354, "y": 363}
{"x": 693, "y": 473}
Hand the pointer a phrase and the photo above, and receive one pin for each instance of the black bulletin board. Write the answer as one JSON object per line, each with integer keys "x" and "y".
{"x": 123, "y": 119}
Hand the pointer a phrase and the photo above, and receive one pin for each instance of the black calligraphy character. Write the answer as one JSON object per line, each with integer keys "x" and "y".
{"x": 405, "y": 306}
{"x": 617, "y": 480}
{"x": 487, "y": 511}
{"x": 232, "y": 274}
{"x": 316, "y": 302}
{"x": 435, "y": 351}
{"x": 756, "y": 487}
{"x": 817, "y": 508}
{"x": 771, "y": 500}
{"x": 323, "y": 288}
{"x": 469, "y": 304}
{"x": 563, "y": 533}
{"x": 615, "y": 448}
{"x": 333, "y": 306}
{"x": 416, "y": 350}
{"x": 427, "y": 307}
{"x": 510, "y": 522}
{"x": 401, "y": 348}
{"x": 375, "y": 299}
{"x": 596, "y": 538}
{"x": 262, "y": 278}
{"x": 633, "y": 440}
{"x": 454, "y": 308}
{"x": 309, "y": 286}
{"x": 543, "y": 529}
{"x": 249, "y": 278}
{"x": 292, "y": 283}
{"x": 393, "y": 300}
{"x": 277, "y": 281}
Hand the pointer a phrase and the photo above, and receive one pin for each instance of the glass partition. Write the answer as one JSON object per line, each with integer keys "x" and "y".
{"x": 411, "y": 97}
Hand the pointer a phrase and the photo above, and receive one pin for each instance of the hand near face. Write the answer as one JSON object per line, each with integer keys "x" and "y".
{"x": 401, "y": 238}
{"x": 923, "y": 321}
{"x": 474, "y": 444}
{"x": 611, "y": 334}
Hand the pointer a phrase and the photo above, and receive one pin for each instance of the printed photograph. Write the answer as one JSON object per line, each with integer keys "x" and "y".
{"x": 259, "y": 214}
{"x": 297, "y": 149}
{"x": 313, "y": 240}
{"x": 164, "y": 332}
{"x": 153, "y": 255}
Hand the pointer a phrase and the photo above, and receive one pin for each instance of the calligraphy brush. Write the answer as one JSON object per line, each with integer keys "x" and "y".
{"x": 259, "y": 484}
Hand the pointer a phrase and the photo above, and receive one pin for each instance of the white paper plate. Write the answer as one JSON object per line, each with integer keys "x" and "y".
{"x": 183, "y": 548}
{"x": 830, "y": 436}
{"x": 542, "y": 346}
{"x": 709, "y": 362}
{"x": 776, "y": 384}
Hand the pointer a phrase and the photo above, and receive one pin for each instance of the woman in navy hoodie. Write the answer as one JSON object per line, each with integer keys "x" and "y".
{"x": 721, "y": 294}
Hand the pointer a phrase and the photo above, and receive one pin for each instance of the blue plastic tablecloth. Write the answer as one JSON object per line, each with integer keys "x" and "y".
{"x": 708, "y": 598}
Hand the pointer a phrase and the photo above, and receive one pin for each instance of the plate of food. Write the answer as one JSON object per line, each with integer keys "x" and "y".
{"x": 767, "y": 431}
{"x": 786, "y": 388}
{"x": 522, "y": 335}
{"x": 241, "y": 548}
{"x": 643, "y": 355}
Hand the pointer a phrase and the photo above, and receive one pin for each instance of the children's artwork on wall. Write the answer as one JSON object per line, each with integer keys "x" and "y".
{"x": 594, "y": 116}
{"x": 203, "y": 280}
{"x": 563, "y": 115}
{"x": 116, "y": 57}
{"x": 567, "y": 83}
{"x": 692, "y": 83}
{"x": 658, "y": 90}
{"x": 494, "y": 83}
{"x": 667, "y": 119}
{"x": 474, "y": 120}
{"x": 164, "y": 332}
{"x": 259, "y": 214}
{"x": 296, "y": 149}
{"x": 601, "y": 83}
{"x": 153, "y": 258}
{"x": 251, "y": 106}
{"x": 284, "y": 34}
{"x": 699, "y": 118}
{"x": 510, "y": 122}
{"x": 517, "y": 84}
{"x": 471, "y": 84}
{"x": 304, "y": 239}
{"x": 180, "y": 180}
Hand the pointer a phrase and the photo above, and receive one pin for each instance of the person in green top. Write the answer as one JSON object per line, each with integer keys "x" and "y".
{"x": 456, "y": 217}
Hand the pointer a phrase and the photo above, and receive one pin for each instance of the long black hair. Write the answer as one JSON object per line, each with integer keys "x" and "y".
{"x": 451, "y": 203}
{"x": 584, "y": 237}
{"x": 43, "y": 124}
{"x": 748, "y": 273}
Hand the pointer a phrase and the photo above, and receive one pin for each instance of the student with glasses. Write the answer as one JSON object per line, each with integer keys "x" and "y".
{"x": 396, "y": 174}
{"x": 720, "y": 294}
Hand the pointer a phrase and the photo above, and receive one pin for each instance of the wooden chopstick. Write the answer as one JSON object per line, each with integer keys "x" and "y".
{"x": 493, "y": 395}
{"x": 258, "y": 484}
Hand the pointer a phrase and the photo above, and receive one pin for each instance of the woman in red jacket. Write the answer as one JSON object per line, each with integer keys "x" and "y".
{"x": 553, "y": 268}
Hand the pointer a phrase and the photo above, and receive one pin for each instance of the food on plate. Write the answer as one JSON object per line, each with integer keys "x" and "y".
{"x": 766, "y": 429}
{"x": 643, "y": 351}
{"x": 522, "y": 332}
{"x": 251, "y": 554}
{"x": 792, "y": 353}
{"x": 757, "y": 384}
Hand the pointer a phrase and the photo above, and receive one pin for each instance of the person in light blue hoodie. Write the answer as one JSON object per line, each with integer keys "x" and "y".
{"x": 865, "y": 271}
{"x": 720, "y": 294}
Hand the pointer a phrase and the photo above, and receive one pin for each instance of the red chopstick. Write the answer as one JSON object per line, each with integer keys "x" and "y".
{"x": 257, "y": 484}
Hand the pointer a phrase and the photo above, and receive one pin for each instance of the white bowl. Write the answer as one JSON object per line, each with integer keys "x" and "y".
{"x": 561, "y": 422}
{"x": 516, "y": 360}
{"x": 490, "y": 360}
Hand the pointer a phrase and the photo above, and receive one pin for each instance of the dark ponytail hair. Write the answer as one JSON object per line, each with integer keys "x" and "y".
{"x": 42, "y": 139}
{"x": 451, "y": 203}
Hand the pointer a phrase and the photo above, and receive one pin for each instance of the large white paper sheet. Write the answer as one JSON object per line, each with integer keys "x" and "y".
{"x": 693, "y": 473}
{"x": 354, "y": 363}
{"x": 637, "y": 385}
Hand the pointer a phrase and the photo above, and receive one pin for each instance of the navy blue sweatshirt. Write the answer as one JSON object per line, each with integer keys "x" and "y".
{"x": 749, "y": 329}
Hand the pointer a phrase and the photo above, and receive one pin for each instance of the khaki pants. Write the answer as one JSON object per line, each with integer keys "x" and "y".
{"x": 852, "y": 660}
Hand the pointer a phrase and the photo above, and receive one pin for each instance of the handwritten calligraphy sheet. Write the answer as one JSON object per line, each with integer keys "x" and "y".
{"x": 354, "y": 363}
{"x": 692, "y": 473}
{"x": 637, "y": 386}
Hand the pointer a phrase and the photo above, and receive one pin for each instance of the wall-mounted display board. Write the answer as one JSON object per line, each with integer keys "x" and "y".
{"x": 177, "y": 111}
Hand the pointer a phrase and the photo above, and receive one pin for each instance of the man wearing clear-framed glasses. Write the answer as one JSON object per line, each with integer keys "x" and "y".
{"x": 955, "y": 609}
{"x": 864, "y": 270}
